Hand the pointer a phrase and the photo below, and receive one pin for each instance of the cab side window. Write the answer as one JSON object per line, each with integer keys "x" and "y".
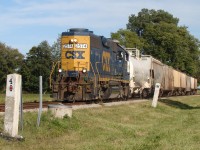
{"x": 119, "y": 55}
{"x": 126, "y": 57}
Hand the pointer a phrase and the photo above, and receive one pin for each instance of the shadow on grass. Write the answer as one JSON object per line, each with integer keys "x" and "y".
{"x": 177, "y": 104}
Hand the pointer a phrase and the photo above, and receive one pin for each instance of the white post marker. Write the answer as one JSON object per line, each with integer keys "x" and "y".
{"x": 40, "y": 106}
{"x": 155, "y": 96}
{"x": 12, "y": 101}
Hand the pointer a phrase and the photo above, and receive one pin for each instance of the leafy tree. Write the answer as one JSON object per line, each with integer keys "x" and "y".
{"x": 145, "y": 17}
{"x": 160, "y": 36}
{"x": 127, "y": 38}
{"x": 10, "y": 62}
{"x": 56, "y": 49}
{"x": 37, "y": 63}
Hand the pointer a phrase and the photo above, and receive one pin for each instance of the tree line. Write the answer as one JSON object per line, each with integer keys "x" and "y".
{"x": 154, "y": 32}
{"x": 37, "y": 62}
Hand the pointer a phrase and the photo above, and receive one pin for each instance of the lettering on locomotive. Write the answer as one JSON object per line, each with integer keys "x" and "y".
{"x": 106, "y": 61}
{"x": 74, "y": 54}
{"x": 78, "y": 45}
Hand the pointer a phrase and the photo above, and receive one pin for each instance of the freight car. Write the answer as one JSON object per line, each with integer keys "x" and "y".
{"x": 91, "y": 67}
{"x": 146, "y": 71}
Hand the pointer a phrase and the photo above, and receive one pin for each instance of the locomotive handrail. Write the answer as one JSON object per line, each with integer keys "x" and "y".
{"x": 52, "y": 70}
{"x": 95, "y": 78}
{"x": 106, "y": 78}
{"x": 93, "y": 73}
{"x": 97, "y": 68}
{"x": 78, "y": 67}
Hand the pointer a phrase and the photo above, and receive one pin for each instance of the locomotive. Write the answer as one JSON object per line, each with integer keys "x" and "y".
{"x": 91, "y": 67}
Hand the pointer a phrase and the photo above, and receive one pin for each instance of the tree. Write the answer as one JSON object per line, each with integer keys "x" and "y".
{"x": 160, "y": 36}
{"x": 10, "y": 62}
{"x": 127, "y": 38}
{"x": 145, "y": 17}
{"x": 56, "y": 49}
{"x": 37, "y": 63}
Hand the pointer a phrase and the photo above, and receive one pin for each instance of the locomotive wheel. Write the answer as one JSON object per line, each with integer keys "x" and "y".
{"x": 105, "y": 93}
{"x": 169, "y": 94}
{"x": 126, "y": 93}
{"x": 133, "y": 95}
{"x": 145, "y": 93}
{"x": 161, "y": 93}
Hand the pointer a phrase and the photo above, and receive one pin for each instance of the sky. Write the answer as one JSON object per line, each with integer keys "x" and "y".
{"x": 26, "y": 23}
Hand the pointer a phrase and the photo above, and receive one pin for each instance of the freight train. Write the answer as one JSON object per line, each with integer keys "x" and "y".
{"x": 95, "y": 67}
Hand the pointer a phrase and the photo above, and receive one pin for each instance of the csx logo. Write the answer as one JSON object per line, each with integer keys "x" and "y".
{"x": 74, "y": 55}
{"x": 106, "y": 61}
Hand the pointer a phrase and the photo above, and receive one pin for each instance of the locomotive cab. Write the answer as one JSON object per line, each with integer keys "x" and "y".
{"x": 75, "y": 64}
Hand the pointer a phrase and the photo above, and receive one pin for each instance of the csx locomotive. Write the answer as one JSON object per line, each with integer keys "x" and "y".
{"x": 91, "y": 67}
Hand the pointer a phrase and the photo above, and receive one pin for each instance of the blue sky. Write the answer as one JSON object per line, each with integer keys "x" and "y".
{"x": 25, "y": 23}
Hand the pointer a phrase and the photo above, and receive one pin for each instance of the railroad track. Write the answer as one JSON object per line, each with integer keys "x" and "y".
{"x": 35, "y": 105}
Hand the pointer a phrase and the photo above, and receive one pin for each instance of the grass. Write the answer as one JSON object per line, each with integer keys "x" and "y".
{"x": 198, "y": 91}
{"x": 174, "y": 124}
{"x": 28, "y": 97}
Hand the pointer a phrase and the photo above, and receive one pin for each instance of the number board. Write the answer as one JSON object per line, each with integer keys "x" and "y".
{"x": 10, "y": 86}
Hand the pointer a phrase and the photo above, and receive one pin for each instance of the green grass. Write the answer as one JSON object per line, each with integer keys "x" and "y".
{"x": 174, "y": 124}
{"x": 28, "y": 97}
{"x": 198, "y": 91}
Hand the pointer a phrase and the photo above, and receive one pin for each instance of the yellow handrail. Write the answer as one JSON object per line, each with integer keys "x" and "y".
{"x": 94, "y": 75}
{"x": 52, "y": 70}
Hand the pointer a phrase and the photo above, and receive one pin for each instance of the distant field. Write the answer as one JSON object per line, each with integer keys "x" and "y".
{"x": 174, "y": 124}
{"x": 28, "y": 97}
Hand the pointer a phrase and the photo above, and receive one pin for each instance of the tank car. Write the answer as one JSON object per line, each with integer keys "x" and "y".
{"x": 91, "y": 67}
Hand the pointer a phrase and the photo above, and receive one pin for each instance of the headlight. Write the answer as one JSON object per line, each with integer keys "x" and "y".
{"x": 60, "y": 70}
{"x": 73, "y": 40}
{"x": 84, "y": 70}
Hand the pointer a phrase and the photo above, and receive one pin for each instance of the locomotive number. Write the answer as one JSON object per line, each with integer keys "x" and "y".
{"x": 74, "y": 55}
{"x": 68, "y": 46}
{"x": 79, "y": 45}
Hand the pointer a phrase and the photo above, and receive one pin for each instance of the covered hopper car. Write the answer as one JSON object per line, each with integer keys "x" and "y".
{"x": 146, "y": 71}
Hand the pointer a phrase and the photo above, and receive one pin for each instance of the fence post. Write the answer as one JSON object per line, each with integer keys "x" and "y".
{"x": 156, "y": 94}
{"x": 12, "y": 101}
{"x": 40, "y": 106}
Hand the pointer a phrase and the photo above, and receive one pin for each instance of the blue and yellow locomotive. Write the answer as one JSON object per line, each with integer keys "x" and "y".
{"x": 91, "y": 67}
